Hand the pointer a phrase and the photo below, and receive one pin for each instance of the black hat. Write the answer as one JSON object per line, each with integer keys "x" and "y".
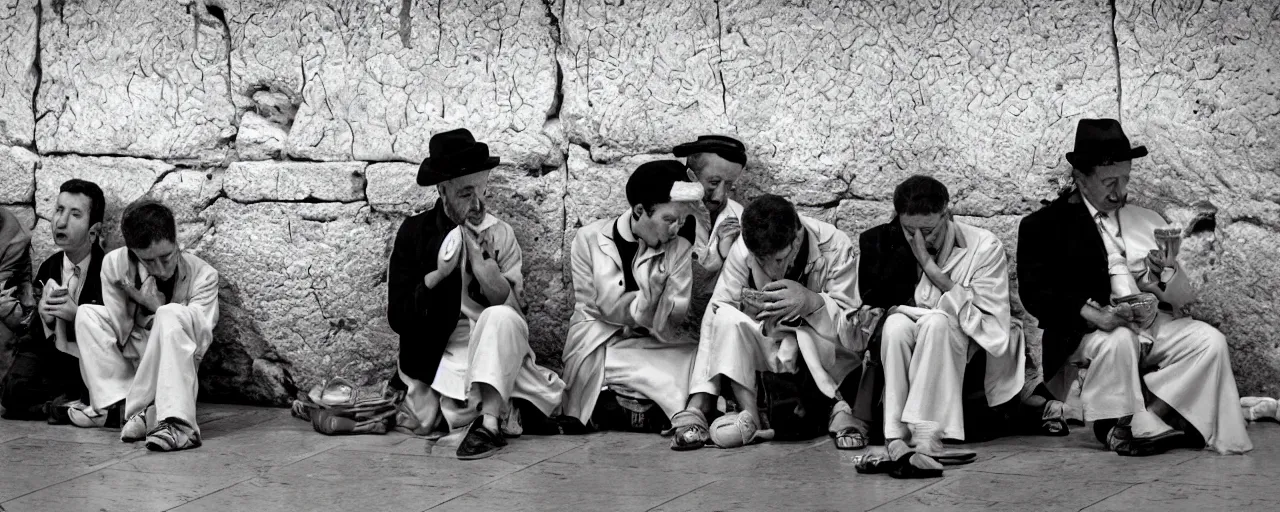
{"x": 454, "y": 154}
{"x": 1100, "y": 141}
{"x": 661, "y": 181}
{"x": 728, "y": 148}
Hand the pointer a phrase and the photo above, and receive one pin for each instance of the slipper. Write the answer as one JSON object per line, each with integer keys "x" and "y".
{"x": 874, "y": 464}
{"x": 172, "y": 434}
{"x": 690, "y": 430}
{"x": 333, "y": 422}
{"x": 1258, "y": 408}
{"x": 738, "y": 429}
{"x": 927, "y": 437}
{"x": 849, "y": 439}
{"x": 1053, "y": 420}
{"x": 335, "y": 391}
{"x": 1147, "y": 446}
{"x": 910, "y": 463}
{"x": 480, "y": 442}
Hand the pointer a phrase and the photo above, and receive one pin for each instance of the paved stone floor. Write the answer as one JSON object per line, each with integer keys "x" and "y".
{"x": 262, "y": 459}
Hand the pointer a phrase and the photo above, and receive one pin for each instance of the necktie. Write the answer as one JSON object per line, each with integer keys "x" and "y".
{"x": 60, "y": 327}
{"x": 73, "y": 284}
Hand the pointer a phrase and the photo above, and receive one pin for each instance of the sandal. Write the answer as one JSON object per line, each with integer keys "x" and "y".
{"x": 849, "y": 439}
{"x": 171, "y": 435}
{"x": 846, "y": 435}
{"x": 690, "y": 430}
{"x": 738, "y": 429}
{"x": 480, "y": 442}
{"x": 900, "y": 461}
{"x": 1053, "y": 421}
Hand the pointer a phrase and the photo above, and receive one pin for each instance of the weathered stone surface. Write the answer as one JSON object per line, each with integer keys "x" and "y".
{"x": 1199, "y": 86}
{"x": 393, "y": 188}
{"x": 837, "y": 102}
{"x": 258, "y": 138}
{"x": 596, "y": 191}
{"x": 19, "y": 23}
{"x": 25, "y": 214}
{"x": 123, "y": 180}
{"x": 134, "y": 77}
{"x": 308, "y": 286}
{"x": 17, "y": 175}
{"x": 374, "y": 80}
{"x": 295, "y": 181}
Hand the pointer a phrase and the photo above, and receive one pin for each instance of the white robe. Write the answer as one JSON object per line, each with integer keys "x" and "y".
{"x": 612, "y": 341}
{"x": 733, "y": 345}
{"x": 925, "y": 349}
{"x": 143, "y": 358}
{"x": 490, "y": 345}
{"x": 707, "y": 263}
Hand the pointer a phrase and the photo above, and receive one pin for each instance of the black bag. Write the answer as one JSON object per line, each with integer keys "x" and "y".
{"x": 792, "y": 405}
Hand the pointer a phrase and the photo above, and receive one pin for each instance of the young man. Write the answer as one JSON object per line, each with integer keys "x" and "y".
{"x": 45, "y": 377}
{"x": 805, "y": 273}
{"x": 139, "y": 350}
{"x": 455, "y": 288}
{"x": 631, "y": 284}
{"x": 716, "y": 162}
{"x": 958, "y": 309}
{"x": 1080, "y": 261}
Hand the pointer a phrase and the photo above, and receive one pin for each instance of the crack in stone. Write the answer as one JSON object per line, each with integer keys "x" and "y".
{"x": 1115, "y": 49}
{"x": 37, "y": 74}
{"x": 724, "y": 91}
{"x": 406, "y": 23}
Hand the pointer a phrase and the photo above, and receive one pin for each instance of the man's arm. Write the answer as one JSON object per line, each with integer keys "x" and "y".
{"x": 667, "y": 307}
{"x": 584, "y": 287}
{"x": 840, "y": 297}
{"x": 981, "y": 306}
{"x": 1044, "y": 291}
{"x": 407, "y": 294}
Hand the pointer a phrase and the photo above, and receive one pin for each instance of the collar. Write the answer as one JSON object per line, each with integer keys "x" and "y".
{"x": 1093, "y": 211}
{"x": 624, "y": 227}
{"x": 83, "y": 264}
{"x": 487, "y": 222}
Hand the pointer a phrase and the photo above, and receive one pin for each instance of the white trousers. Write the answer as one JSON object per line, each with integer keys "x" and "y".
{"x": 1192, "y": 374}
{"x": 924, "y": 362}
{"x": 157, "y": 366}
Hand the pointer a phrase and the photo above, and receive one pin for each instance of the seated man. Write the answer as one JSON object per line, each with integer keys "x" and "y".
{"x": 454, "y": 297}
{"x": 139, "y": 350}
{"x": 804, "y": 272}
{"x": 1080, "y": 261}
{"x": 716, "y": 162}
{"x": 16, "y": 301}
{"x": 631, "y": 286}
{"x": 959, "y": 308}
{"x": 45, "y": 376}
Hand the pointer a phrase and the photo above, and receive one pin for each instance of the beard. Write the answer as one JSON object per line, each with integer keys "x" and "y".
{"x": 463, "y": 215}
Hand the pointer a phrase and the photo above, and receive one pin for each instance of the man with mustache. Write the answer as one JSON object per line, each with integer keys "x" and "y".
{"x": 45, "y": 380}
{"x": 716, "y": 162}
{"x": 455, "y": 290}
{"x": 1082, "y": 260}
{"x": 783, "y": 304}
{"x": 953, "y": 306}
{"x": 625, "y": 365}
{"x": 140, "y": 350}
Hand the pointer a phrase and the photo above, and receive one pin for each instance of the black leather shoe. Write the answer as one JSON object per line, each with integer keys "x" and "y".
{"x": 480, "y": 442}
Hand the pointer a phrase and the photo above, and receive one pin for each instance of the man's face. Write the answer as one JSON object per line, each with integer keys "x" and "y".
{"x": 718, "y": 178}
{"x": 932, "y": 228}
{"x": 71, "y": 221}
{"x": 1107, "y": 189}
{"x": 661, "y": 225}
{"x": 161, "y": 259}
{"x": 775, "y": 265}
{"x": 464, "y": 197}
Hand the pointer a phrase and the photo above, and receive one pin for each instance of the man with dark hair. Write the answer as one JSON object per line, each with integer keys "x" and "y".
{"x": 783, "y": 305}
{"x": 624, "y": 364}
{"x": 455, "y": 296}
{"x": 139, "y": 350}
{"x": 1103, "y": 279}
{"x": 947, "y": 303}
{"x": 716, "y": 162}
{"x": 44, "y": 380}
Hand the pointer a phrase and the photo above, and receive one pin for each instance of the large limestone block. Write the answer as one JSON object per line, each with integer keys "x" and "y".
{"x": 295, "y": 181}
{"x": 844, "y": 101}
{"x": 123, "y": 180}
{"x": 374, "y": 80}
{"x": 1199, "y": 86}
{"x": 134, "y": 77}
{"x": 596, "y": 191}
{"x": 17, "y": 175}
{"x": 308, "y": 282}
{"x": 393, "y": 188}
{"x": 19, "y": 23}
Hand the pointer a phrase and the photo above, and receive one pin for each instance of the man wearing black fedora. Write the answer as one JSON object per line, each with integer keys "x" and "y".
{"x": 1103, "y": 279}
{"x": 455, "y": 290}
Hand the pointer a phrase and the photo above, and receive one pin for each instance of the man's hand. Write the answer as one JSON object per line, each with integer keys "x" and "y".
{"x": 482, "y": 268}
{"x": 787, "y": 299}
{"x": 1158, "y": 260}
{"x": 62, "y": 306}
{"x": 1107, "y": 318}
{"x": 147, "y": 297}
{"x": 727, "y": 232}
{"x": 446, "y": 266}
{"x": 657, "y": 285}
{"x": 920, "y": 250}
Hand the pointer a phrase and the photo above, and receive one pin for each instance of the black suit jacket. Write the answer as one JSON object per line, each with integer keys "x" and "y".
{"x": 51, "y": 270}
{"x": 1061, "y": 264}
{"x": 887, "y": 270}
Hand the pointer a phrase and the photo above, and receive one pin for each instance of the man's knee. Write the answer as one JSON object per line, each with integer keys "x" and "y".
{"x": 898, "y": 329}
{"x": 1212, "y": 341}
{"x": 1121, "y": 342}
{"x": 934, "y": 323}
{"x": 92, "y": 315}
{"x": 501, "y": 314}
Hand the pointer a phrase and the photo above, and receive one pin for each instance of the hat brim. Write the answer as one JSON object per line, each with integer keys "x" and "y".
{"x": 428, "y": 176}
{"x": 1078, "y": 159}
{"x": 724, "y": 149}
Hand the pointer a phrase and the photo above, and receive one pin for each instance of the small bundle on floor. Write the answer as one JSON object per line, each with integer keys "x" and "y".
{"x": 337, "y": 407}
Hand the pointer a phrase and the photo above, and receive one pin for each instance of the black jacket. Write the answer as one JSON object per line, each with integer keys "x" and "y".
{"x": 90, "y": 291}
{"x": 887, "y": 270}
{"x": 1061, "y": 264}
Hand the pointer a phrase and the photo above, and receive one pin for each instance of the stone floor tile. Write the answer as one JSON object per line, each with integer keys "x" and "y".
{"x": 1176, "y": 497}
{"x": 623, "y": 483}
{"x": 983, "y": 491}
{"x": 343, "y": 480}
{"x": 500, "y": 500}
{"x": 808, "y": 491}
{"x": 1088, "y": 463}
{"x": 30, "y": 464}
{"x": 112, "y": 490}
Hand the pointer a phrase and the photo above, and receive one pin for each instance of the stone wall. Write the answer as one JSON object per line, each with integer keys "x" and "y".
{"x": 285, "y": 133}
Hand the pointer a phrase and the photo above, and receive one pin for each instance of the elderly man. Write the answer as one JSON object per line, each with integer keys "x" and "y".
{"x": 454, "y": 297}
{"x": 1092, "y": 269}
{"x": 958, "y": 308}
{"x": 45, "y": 377}
{"x": 625, "y": 366}
{"x": 139, "y": 350}
{"x": 785, "y": 299}
{"x": 716, "y": 162}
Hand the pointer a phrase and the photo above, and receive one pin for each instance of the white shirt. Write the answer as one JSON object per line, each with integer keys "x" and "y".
{"x": 68, "y": 268}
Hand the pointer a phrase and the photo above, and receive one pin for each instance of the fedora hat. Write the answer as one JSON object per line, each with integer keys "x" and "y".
{"x": 727, "y": 148}
{"x": 454, "y": 154}
{"x": 1102, "y": 141}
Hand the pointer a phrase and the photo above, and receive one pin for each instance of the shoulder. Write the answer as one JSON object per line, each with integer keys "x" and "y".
{"x": 49, "y": 263}
{"x": 873, "y": 233}
{"x": 979, "y": 237}
{"x": 199, "y": 267}
{"x": 592, "y": 230}
{"x": 828, "y": 235}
